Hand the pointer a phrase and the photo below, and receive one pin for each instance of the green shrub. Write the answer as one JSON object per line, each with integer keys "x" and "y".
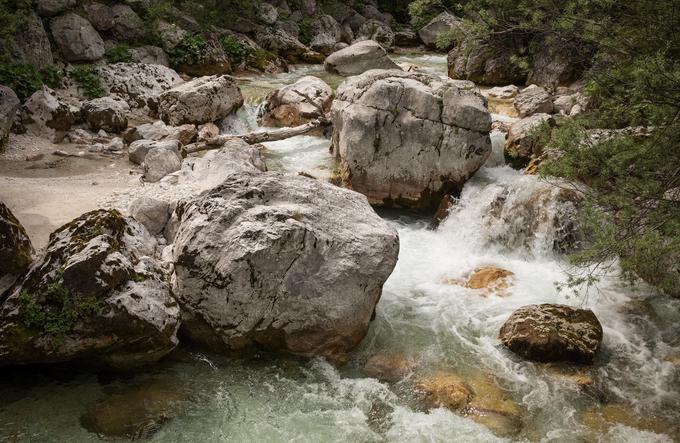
{"x": 422, "y": 11}
{"x": 87, "y": 78}
{"x": 26, "y": 79}
{"x": 119, "y": 54}
{"x": 306, "y": 26}
{"x": 188, "y": 51}
{"x": 235, "y": 50}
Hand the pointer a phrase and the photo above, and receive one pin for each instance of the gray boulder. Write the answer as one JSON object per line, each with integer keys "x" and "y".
{"x": 326, "y": 32}
{"x": 283, "y": 44}
{"x": 126, "y": 23}
{"x": 521, "y": 142}
{"x": 377, "y": 31}
{"x": 31, "y": 45}
{"x": 287, "y": 107}
{"x": 101, "y": 16}
{"x": 138, "y": 84}
{"x": 442, "y": 23}
{"x": 106, "y": 113}
{"x": 553, "y": 65}
{"x": 158, "y": 130}
{"x": 153, "y": 214}
{"x": 267, "y": 13}
{"x": 160, "y": 162}
{"x": 533, "y": 100}
{"x": 47, "y": 8}
{"x": 255, "y": 256}
{"x": 406, "y": 38}
{"x": 9, "y": 105}
{"x": 45, "y": 115}
{"x": 553, "y": 333}
{"x": 16, "y": 250}
{"x": 482, "y": 63}
{"x": 407, "y": 139}
{"x": 138, "y": 150}
{"x": 76, "y": 39}
{"x": 358, "y": 58}
{"x": 564, "y": 104}
{"x": 152, "y": 55}
{"x": 170, "y": 34}
{"x": 96, "y": 295}
{"x": 205, "y": 99}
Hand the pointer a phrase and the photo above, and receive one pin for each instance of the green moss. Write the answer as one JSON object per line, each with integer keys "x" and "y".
{"x": 87, "y": 78}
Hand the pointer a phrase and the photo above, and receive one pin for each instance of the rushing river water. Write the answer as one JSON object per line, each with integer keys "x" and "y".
{"x": 436, "y": 325}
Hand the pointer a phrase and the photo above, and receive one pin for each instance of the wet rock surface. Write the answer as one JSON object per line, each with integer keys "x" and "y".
{"x": 552, "y": 333}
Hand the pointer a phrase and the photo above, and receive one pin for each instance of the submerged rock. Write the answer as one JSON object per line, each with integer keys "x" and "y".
{"x": 389, "y": 367}
{"x": 445, "y": 389}
{"x": 407, "y": 139}
{"x": 289, "y": 107}
{"x": 255, "y": 256}
{"x": 205, "y": 99}
{"x": 96, "y": 294}
{"x": 359, "y": 58}
{"x": 16, "y": 250}
{"x": 137, "y": 412}
{"x": 552, "y": 333}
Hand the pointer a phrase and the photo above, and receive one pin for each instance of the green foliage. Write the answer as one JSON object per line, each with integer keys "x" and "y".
{"x": 26, "y": 79}
{"x": 235, "y": 50}
{"x": 422, "y": 11}
{"x": 306, "y": 26}
{"x": 119, "y": 54}
{"x": 87, "y": 78}
{"x": 13, "y": 14}
{"x": 53, "y": 310}
{"x": 188, "y": 51}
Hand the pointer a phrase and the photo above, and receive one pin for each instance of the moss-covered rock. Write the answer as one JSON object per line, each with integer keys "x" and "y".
{"x": 16, "y": 250}
{"x": 96, "y": 293}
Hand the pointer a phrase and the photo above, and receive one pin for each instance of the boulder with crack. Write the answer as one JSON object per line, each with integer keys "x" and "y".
{"x": 406, "y": 139}
{"x": 255, "y": 257}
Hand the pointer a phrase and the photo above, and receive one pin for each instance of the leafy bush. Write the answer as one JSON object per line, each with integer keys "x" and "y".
{"x": 87, "y": 78}
{"x": 306, "y": 26}
{"x": 26, "y": 79}
{"x": 188, "y": 51}
{"x": 422, "y": 11}
{"x": 235, "y": 50}
{"x": 119, "y": 53}
{"x": 13, "y": 14}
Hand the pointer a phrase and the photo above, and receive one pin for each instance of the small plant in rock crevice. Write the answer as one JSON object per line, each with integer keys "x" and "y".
{"x": 87, "y": 78}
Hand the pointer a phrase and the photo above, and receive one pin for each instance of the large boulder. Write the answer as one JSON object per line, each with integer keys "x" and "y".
{"x": 31, "y": 45}
{"x": 137, "y": 83}
{"x": 45, "y": 115}
{"x": 255, "y": 258}
{"x": 552, "y": 333}
{"x": 483, "y": 63}
{"x": 205, "y": 99}
{"x": 100, "y": 16}
{"x": 16, "y": 250}
{"x": 442, "y": 23}
{"x": 160, "y": 162}
{"x": 406, "y": 38}
{"x": 106, "y": 113}
{"x": 289, "y": 107}
{"x": 95, "y": 295}
{"x": 377, "y": 31}
{"x": 9, "y": 105}
{"x": 283, "y": 44}
{"x": 326, "y": 34}
{"x": 138, "y": 150}
{"x": 555, "y": 64}
{"x": 76, "y": 39}
{"x": 359, "y": 58}
{"x": 407, "y": 139}
{"x": 522, "y": 142}
{"x": 533, "y": 100}
{"x": 150, "y": 55}
{"x": 170, "y": 34}
{"x": 126, "y": 23}
{"x": 46, "y": 8}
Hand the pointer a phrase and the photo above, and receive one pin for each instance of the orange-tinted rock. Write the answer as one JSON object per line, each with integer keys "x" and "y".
{"x": 389, "y": 367}
{"x": 445, "y": 389}
{"x": 448, "y": 202}
{"x": 491, "y": 279}
{"x": 602, "y": 419}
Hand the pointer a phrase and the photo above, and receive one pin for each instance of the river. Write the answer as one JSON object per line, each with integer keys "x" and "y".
{"x": 421, "y": 317}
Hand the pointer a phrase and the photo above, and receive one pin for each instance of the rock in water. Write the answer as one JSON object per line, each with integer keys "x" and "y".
{"x": 552, "y": 333}
{"x": 95, "y": 295}
{"x": 522, "y": 141}
{"x": 286, "y": 107}
{"x": 202, "y": 100}
{"x": 282, "y": 263}
{"x": 9, "y": 105}
{"x": 137, "y": 412}
{"x": 359, "y": 58}
{"x": 16, "y": 250}
{"x": 406, "y": 139}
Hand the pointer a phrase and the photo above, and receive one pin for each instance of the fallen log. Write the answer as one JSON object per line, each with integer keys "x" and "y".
{"x": 254, "y": 138}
